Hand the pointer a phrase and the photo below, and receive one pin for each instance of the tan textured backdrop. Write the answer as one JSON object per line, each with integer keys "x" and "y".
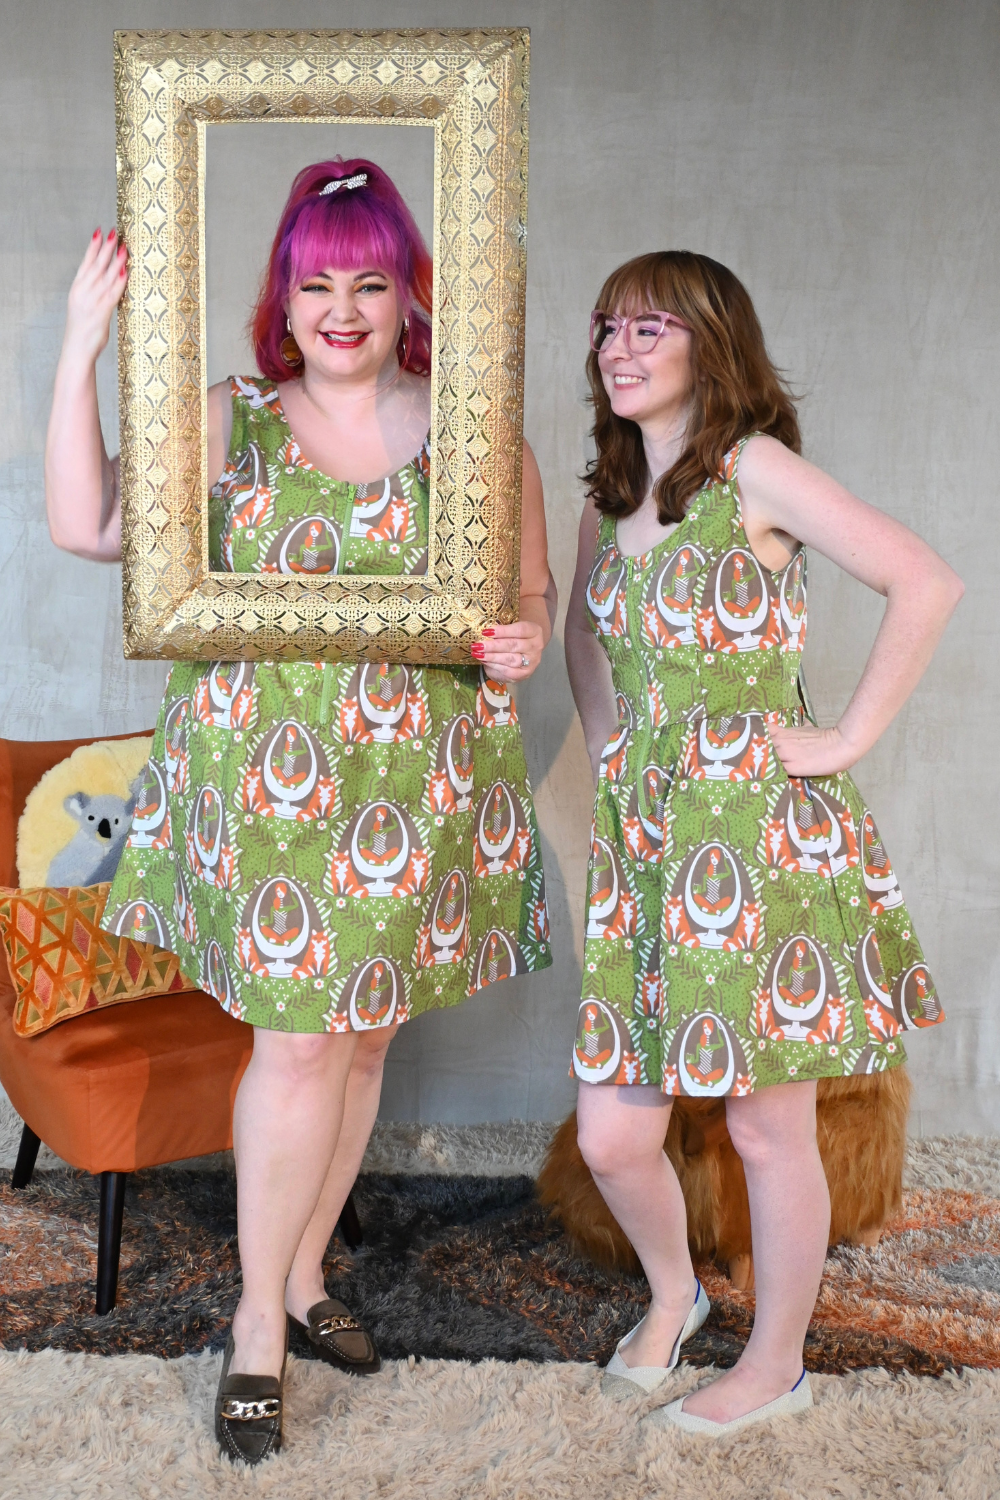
{"x": 840, "y": 157}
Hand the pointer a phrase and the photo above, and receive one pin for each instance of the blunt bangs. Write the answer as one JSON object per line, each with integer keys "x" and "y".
{"x": 347, "y": 236}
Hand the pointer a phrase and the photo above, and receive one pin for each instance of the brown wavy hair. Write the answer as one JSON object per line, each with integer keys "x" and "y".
{"x": 736, "y": 388}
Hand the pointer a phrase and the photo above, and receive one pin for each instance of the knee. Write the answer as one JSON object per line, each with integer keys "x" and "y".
{"x": 759, "y": 1144}
{"x": 296, "y": 1062}
{"x": 775, "y": 1126}
{"x": 606, "y": 1149}
{"x": 369, "y": 1055}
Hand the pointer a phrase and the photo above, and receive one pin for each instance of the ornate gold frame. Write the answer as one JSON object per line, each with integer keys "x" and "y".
{"x": 471, "y": 88}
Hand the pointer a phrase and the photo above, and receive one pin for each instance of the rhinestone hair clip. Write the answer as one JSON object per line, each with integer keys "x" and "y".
{"x": 344, "y": 182}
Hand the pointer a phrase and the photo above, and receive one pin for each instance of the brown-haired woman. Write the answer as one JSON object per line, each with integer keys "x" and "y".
{"x": 746, "y": 935}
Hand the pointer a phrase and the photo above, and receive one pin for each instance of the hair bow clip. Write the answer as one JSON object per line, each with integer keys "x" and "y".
{"x": 336, "y": 183}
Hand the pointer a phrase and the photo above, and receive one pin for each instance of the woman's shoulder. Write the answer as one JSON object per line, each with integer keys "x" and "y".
{"x": 254, "y": 391}
{"x": 250, "y": 392}
{"x": 764, "y": 460}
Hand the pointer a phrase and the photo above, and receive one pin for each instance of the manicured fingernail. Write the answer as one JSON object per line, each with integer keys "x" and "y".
{"x": 96, "y": 234}
{"x": 111, "y": 235}
{"x": 479, "y": 652}
{"x": 488, "y": 630}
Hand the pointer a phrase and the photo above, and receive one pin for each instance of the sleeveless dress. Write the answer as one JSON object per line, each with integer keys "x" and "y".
{"x": 744, "y": 928}
{"x": 331, "y": 847}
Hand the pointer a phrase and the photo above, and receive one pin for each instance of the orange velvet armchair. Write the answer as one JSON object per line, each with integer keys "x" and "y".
{"x": 130, "y": 1086}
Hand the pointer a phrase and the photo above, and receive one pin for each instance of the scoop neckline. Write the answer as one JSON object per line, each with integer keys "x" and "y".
{"x": 631, "y": 557}
{"x": 300, "y": 462}
{"x": 706, "y": 488}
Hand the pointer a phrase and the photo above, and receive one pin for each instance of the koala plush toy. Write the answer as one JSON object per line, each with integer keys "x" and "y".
{"x": 93, "y": 853}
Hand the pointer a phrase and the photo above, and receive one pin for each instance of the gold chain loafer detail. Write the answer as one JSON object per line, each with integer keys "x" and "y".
{"x": 251, "y": 1411}
{"x": 336, "y": 1335}
{"x": 248, "y": 1411}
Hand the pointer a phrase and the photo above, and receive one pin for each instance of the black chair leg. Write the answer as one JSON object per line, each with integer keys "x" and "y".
{"x": 109, "y": 1239}
{"x": 27, "y": 1155}
{"x": 350, "y": 1225}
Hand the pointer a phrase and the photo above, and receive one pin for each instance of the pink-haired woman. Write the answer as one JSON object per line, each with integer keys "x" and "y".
{"x": 323, "y": 862}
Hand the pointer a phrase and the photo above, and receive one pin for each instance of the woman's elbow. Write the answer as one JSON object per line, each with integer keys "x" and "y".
{"x": 948, "y": 589}
{"x": 91, "y": 549}
{"x": 551, "y": 597}
{"x": 59, "y": 535}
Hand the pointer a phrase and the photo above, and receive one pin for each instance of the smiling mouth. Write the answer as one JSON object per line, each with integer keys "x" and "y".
{"x": 622, "y": 380}
{"x": 343, "y": 340}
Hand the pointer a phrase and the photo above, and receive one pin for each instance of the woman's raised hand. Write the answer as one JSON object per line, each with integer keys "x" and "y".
{"x": 82, "y": 495}
{"x": 96, "y": 292}
{"x": 510, "y": 653}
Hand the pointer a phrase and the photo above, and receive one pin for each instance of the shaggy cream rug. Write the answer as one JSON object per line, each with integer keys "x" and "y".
{"x": 135, "y": 1428}
{"x": 138, "y": 1428}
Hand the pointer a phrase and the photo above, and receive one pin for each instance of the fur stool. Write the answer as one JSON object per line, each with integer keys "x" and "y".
{"x": 861, "y": 1131}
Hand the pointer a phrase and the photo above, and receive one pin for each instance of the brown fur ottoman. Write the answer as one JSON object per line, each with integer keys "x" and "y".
{"x": 861, "y": 1130}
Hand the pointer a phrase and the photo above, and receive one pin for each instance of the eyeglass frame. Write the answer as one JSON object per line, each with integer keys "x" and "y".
{"x": 665, "y": 318}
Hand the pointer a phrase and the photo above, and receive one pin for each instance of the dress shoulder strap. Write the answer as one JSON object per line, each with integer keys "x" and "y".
{"x": 605, "y": 530}
{"x": 254, "y": 399}
{"x": 730, "y": 462}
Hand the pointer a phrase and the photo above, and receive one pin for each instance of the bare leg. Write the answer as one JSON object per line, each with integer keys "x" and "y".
{"x": 305, "y": 1286}
{"x": 287, "y": 1119}
{"x": 621, "y": 1133}
{"x": 774, "y": 1132}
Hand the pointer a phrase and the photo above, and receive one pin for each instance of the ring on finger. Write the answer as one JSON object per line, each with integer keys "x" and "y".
{"x": 524, "y": 660}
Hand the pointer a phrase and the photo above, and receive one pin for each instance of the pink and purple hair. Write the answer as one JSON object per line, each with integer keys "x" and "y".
{"x": 354, "y": 229}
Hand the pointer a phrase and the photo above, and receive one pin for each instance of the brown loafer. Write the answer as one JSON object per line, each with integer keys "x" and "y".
{"x": 335, "y": 1334}
{"x": 248, "y": 1411}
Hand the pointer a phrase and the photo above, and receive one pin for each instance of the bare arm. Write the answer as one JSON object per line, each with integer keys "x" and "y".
{"x": 505, "y": 645}
{"x": 784, "y": 497}
{"x": 588, "y": 666}
{"x": 220, "y": 428}
{"x": 82, "y": 495}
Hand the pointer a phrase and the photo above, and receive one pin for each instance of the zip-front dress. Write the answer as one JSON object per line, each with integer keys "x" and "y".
{"x": 744, "y": 927}
{"x": 331, "y": 847}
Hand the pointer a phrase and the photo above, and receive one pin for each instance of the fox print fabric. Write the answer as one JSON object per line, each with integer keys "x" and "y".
{"x": 743, "y": 927}
{"x": 331, "y": 847}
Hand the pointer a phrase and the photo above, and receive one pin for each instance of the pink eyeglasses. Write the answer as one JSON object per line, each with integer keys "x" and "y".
{"x": 641, "y": 332}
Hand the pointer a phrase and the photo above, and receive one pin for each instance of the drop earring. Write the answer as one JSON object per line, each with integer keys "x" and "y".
{"x": 402, "y": 348}
{"x": 289, "y": 349}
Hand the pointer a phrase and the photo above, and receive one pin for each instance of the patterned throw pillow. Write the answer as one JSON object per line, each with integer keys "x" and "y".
{"x": 77, "y": 818}
{"x": 62, "y": 964}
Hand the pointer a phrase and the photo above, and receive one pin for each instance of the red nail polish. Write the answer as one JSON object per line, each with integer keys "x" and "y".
{"x": 111, "y": 235}
{"x": 488, "y": 630}
{"x": 479, "y": 652}
{"x": 96, "y": 234}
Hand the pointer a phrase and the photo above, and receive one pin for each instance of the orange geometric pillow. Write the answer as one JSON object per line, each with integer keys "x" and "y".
{"x": 62, "y": 963}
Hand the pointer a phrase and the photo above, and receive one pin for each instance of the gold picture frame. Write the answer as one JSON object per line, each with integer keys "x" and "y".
{"x": 471, "y": 89}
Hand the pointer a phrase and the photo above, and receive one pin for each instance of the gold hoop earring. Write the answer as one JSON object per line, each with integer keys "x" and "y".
{"x": 289, "y": 349}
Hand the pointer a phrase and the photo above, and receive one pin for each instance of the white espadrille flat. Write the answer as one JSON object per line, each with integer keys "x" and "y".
{"x": 621, "y": 1382}
{"x": 799, "y": 1398}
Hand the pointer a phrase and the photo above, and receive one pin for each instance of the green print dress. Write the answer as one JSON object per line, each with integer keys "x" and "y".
{"x": 339, "y": 847}
{"x": 743, "y": 927}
